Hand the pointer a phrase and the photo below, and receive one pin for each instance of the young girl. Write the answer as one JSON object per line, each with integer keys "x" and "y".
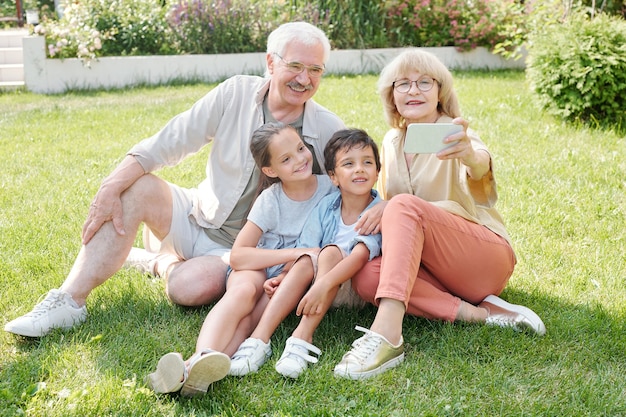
{"x": 352, "y": 162}
{"x": 262, "y": 249}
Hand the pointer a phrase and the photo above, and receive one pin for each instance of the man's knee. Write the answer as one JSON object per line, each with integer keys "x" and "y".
{"x": 191, "y": 285}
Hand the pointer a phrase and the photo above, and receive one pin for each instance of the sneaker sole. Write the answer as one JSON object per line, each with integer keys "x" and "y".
{"x": 205, "y": 371}
{"x": 168, "y": 375}
{"x": 345, "y": 373}
{"x": 538, "y": 327}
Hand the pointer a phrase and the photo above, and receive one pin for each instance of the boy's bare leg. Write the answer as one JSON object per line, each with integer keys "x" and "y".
{"x": 285, "y": 299}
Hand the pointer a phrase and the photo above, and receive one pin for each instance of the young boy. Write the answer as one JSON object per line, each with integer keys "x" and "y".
{"x": 352, "y": 162}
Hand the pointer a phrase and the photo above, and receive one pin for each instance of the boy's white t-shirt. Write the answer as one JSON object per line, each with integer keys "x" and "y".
{"x": 345, "y": 235}
{"x": 280, "y": 218}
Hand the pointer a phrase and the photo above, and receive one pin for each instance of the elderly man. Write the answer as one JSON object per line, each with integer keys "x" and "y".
{"x": 194, "y": 228}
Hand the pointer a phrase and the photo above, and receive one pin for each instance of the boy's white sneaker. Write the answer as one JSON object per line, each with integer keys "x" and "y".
{"x": 252, "y": 353}
{"x": 57, "y": 310}
{"x": 296, "y": 358}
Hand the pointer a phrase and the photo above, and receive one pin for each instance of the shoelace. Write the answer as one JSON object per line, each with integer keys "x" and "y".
{"x": 49, "y": 303}
{"x": 363, "y": 347}
{"x": 506, "y": 321}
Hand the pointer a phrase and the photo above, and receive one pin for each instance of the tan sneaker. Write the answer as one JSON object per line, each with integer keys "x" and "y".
{"x": 517, "y": 317}
{"x": 370, "y": 355}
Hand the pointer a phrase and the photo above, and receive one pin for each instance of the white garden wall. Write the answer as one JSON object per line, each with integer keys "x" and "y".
{"x": 44, "y": 75}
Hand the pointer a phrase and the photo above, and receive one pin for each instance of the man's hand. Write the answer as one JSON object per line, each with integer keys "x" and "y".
{"x": 104, "y": 208}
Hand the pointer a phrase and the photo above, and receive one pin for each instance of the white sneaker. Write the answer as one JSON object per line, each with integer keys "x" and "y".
{"x": 205, "y": 368}
{"x": 517, "y": 317}
{"x": 141, "y": 260}
{"x": 169, "y": 375}
{"x": 57, "y": 310}
{"x": 295, "y": 357}
{"x": 252, "y": 353}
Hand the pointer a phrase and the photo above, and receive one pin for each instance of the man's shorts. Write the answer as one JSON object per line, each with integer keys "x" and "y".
{"x": 186, "y": 238}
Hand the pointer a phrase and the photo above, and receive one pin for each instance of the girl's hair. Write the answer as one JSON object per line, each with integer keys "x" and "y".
{"x": 348, "y": 139}
{"x": 301, "y": 32}
{"x": 260, "y": 149}
{"x": 425, "y": 63}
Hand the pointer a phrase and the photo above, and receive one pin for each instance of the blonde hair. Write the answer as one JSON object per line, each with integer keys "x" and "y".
{"x": 425, "y": 63}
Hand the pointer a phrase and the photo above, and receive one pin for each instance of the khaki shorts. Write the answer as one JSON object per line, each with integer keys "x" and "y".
{"x": 186, "y": 238}
{"x": 346, "y": 296}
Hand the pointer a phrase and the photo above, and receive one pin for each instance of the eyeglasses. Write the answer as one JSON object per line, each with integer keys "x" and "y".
{"x": 296, "y": 67}
{"x": 424, "y": 84}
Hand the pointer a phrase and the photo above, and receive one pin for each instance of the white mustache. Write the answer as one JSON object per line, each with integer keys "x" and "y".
{"x": 297, "y": 86}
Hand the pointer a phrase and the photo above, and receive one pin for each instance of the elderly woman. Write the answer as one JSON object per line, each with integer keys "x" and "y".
{"x": 446, "y": 254}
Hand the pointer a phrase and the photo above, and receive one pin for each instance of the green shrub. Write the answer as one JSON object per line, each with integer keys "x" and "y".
{"x": 578, "y": 67}
{"x": 461, "y": 23}
{"x": 135, "y": 27}
{"x": 93, "y": 28}
{"x": 200, "y": 27}
{"x": 349, "y": 24}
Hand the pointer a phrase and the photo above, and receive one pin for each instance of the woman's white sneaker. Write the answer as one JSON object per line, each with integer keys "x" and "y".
{"x": 517, "y": 317}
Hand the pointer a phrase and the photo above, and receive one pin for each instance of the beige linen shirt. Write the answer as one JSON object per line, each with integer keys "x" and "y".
{"x": 226, "y": 117}
{"x": 445, "y": 184}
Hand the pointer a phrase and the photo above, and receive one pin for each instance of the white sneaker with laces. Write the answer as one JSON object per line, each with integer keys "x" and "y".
{"x": 519, "y": 318}
{"x": 57, "y": 310}
{"x": 252, "y": 353}
{"x": 296, "y": 357}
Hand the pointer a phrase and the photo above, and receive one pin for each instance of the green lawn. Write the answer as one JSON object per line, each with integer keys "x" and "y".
{"x": 562, "y": 194}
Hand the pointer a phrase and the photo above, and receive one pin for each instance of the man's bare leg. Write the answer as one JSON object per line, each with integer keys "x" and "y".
{"x": 149, "y": 200}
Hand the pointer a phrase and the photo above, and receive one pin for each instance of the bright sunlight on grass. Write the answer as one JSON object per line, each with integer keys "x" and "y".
{"x": 562, "y": 194}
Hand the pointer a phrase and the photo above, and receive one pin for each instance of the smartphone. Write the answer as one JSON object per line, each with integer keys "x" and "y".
{"x": 428, "y": 137}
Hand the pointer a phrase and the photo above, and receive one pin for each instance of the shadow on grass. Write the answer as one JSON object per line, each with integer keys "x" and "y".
{"x": 131, "y": 324}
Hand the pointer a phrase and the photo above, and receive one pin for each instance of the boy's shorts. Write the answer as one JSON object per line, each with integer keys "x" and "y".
{"x": 186, "y": 238}
{"x": 346, "y": 296}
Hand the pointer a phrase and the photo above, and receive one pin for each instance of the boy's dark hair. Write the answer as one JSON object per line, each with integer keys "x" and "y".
{"x": 348, "y": 139}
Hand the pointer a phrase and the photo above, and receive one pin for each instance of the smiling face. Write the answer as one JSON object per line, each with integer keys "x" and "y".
{"x": 355, "y": 171}
{"x": 289, "y": 89}
{"x": 417, "y": 106}
{"x": 290, "y": 159}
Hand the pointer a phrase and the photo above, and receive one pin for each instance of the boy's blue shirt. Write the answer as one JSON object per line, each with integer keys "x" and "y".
{"x": 322, "y": 225}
